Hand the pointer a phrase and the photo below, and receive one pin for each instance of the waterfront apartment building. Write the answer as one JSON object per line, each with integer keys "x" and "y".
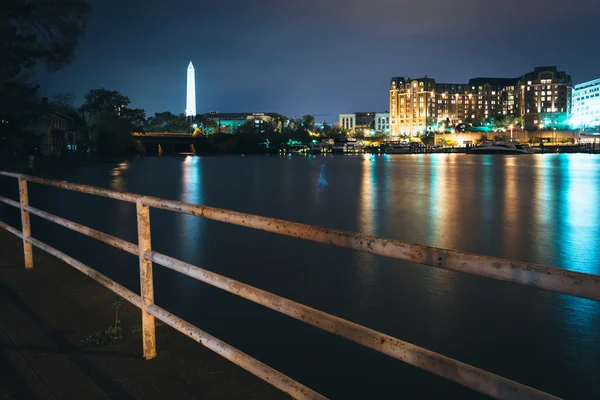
{"x": 418, "y": 105}
{"x": 347, "y": 122}
{"x": 545, "y": 98}
{"x": 382, "y": 123}
{"x": 365, "y": 123}
{"x": 231, "y": 122}
{"x": 586, "y": 104}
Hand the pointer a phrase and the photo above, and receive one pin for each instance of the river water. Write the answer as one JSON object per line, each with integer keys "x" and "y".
{"x": 537, "y": 208}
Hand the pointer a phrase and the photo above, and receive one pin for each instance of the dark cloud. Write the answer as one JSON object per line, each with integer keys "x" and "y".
{"x": 318, "y": 56}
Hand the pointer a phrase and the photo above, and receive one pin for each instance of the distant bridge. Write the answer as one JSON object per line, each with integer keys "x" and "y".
{"x": 156, "y": 142}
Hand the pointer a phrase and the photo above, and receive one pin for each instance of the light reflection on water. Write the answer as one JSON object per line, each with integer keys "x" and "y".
{"x": 191, "y": 192}
{"x": 539, "y": 208}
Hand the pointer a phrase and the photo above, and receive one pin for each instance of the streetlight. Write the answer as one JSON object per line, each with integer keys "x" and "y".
{"x": 511, "y": 129}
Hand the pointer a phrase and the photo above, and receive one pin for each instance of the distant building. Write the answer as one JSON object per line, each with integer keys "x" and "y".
{"x": 230, "y": 122}
{"x": 586, "y": 104}
{"x": 412, "y": 105}
{"x": 347, "y": 122}
{"x": 419, "y": 105}
{"x": 52, "y": 131}
{"x": 545, "y": 98}
{"x": 382, "y": 123}
{"x": 365, "y": 123}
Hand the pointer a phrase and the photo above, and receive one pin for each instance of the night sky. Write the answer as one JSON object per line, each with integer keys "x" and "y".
{"x": 318, "y": 56}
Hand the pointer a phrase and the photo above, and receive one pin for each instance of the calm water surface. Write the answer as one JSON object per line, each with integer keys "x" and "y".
{"x": 539, "y": 208}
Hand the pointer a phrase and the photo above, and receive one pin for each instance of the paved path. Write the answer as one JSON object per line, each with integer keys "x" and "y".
{"x": 45, "y": 312}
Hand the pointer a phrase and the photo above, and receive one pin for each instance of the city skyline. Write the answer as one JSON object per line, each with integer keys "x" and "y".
{"x": 337, "y": 64}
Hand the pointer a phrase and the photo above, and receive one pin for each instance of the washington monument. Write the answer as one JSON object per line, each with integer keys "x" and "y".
{"x": 190, "y": 104}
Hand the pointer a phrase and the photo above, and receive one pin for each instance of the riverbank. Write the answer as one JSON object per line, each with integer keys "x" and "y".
{"x": 46, "y": 312}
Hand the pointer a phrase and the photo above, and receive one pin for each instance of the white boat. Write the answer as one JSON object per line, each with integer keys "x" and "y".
{"x": 500, "y": 148}
{"x": 531, "y": 150}
{"x": 397, "y": 149}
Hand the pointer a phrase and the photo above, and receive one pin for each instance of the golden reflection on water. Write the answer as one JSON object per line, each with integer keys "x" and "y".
{"x": 368, "y": 195}
{"x": 511, "y": 204}
{"x": 191, "y": 192}
{"x": 117, "y": 181}
{"x": 443, "y": 209}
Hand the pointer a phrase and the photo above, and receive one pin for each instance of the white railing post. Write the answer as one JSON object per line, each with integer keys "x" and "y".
{"x": 25, "y": 224}
{"x": 146, "y": 281}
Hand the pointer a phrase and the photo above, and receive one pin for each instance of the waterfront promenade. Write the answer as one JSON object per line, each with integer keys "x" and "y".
{"x": 47, "y": 311}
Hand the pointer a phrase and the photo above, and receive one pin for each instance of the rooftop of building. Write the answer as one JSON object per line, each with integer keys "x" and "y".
{"x": 240, "y": 115}
{"x": 584, "y": 85}
{"x": 551, "y": 68}
{"x": 494, "y": 81}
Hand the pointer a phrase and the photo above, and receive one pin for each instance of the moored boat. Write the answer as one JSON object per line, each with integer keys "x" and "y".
{"x": 397, "y": 149}
{"x": 499, "y": 148}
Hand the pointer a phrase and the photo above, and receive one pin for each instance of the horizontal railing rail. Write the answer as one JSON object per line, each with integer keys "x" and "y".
{"x": 548, "y": 278}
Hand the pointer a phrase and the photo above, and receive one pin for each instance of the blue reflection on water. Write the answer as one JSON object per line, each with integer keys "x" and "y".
{"x": 579, "y": 229}
{"x": 366, "y": 269}
{"x": 434, "y": 193}
{"x": 191, "y": 192}
{"x": 577, "y": 244}
{"x": 322, "y": 178}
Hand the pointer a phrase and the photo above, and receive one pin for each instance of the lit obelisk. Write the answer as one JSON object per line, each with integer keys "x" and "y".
{"x": 190, "y": 104}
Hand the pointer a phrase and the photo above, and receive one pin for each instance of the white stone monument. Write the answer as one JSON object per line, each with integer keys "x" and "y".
{"x": 190, "y": 104}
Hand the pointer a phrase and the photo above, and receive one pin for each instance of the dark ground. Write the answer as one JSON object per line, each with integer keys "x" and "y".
{"x": 47, "y": 311}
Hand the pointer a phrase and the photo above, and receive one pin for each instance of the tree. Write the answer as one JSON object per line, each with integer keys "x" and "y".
{"x": 427, "y": 139}
{"x": 98, "y": 101}
{"x": 205, "y": 122}
{"x": 279, "y": 122}
{"x": 447, "y": 141}
{"x": 135, "y": 116}
{"x": 63, "y": 101}
{"x": 113, "y": 135}
{"x": 168, "y": 122}
{"x": 308, "y": 122}
{"x": 33, "y": 34}
{"x": 40, "y": 32}
{"x": 336, "y": 132}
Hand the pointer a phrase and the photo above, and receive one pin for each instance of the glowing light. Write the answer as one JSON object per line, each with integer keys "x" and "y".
{"x": 190, "y": 104}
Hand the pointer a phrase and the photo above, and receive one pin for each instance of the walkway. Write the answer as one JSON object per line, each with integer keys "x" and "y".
{"x": 45, "y": 313}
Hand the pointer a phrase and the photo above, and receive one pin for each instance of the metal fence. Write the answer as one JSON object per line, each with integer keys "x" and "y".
{"x": 542, "y": 277}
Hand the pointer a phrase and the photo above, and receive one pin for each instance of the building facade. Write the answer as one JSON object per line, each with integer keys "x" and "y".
{"x": 365, "y": 123}
{"x": 231, "y": 122}
{"x": 586, "y": 105}
{"x": 347, "y": 122}
{"x": 545, "y": 98}
{"x": 382, "y": 123}
{"x": 420, "y": 105}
